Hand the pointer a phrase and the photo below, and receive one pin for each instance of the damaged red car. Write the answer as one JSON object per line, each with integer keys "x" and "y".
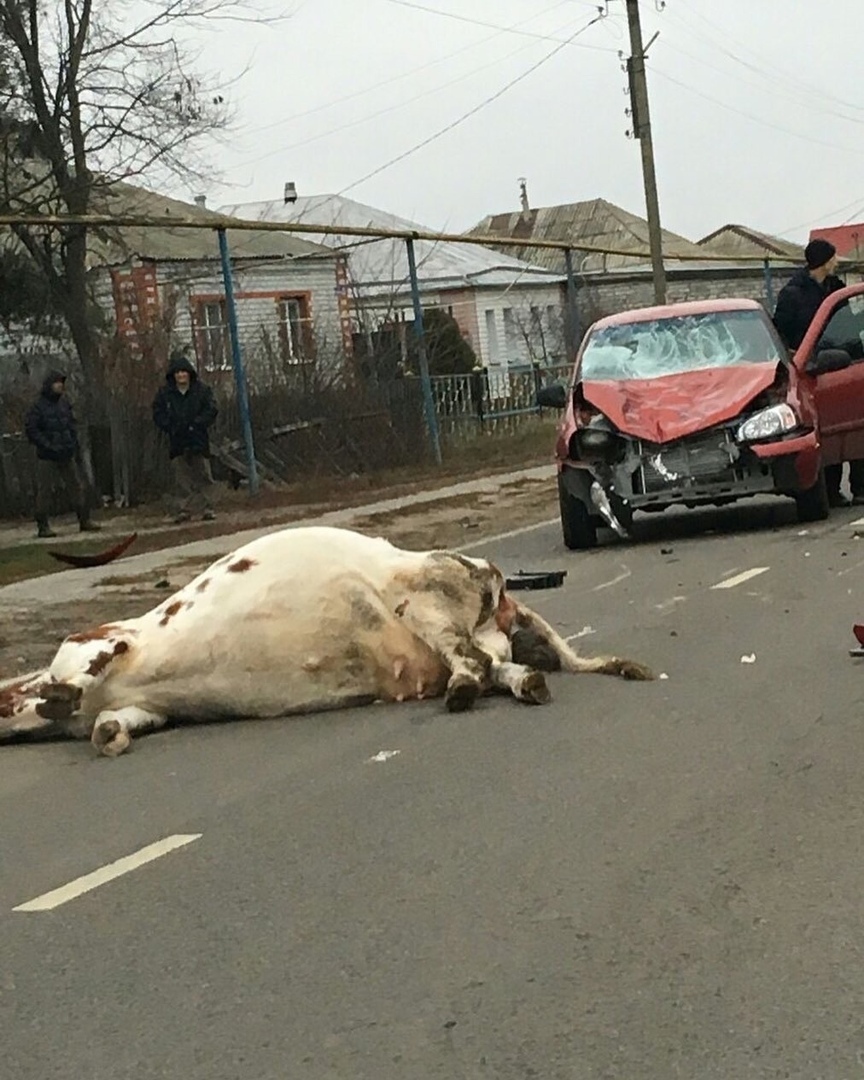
{"x": 700, "y": 404}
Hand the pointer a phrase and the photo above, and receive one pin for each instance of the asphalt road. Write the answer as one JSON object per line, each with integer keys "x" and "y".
{"x": 638, "y": 881}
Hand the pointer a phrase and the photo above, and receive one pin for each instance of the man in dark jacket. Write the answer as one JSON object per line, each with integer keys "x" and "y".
{"x": 50, "y": 426}
{"x": 799, "y": 300}
{"x": 802, "y": 295}
{"x": 184, "y": 409}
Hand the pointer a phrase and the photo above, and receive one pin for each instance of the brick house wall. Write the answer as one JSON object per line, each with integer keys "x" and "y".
{"x": 599, "y": 295}
{"x": 607, "y": 294}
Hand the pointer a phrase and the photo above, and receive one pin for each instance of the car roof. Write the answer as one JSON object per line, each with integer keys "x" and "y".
{"x": 673, "y": 311}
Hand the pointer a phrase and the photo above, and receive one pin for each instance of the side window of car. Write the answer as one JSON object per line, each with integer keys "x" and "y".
{"x": 845, "y": 328}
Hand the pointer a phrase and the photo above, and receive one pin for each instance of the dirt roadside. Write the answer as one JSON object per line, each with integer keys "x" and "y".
{"x": 31, "y": 631}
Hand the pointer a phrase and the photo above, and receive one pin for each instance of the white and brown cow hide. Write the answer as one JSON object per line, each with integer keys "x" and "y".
{"x": 298, "y": 621}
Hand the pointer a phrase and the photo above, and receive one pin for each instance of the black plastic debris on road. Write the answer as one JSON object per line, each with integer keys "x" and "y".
{"x": 536, "y": 579}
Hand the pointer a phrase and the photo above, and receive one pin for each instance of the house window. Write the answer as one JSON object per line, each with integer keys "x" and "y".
{"x": 213, "y": 343}
{"x": 511, "y": 336}
{"x": 492, "y": 336}
{"x": 294, "y": 330}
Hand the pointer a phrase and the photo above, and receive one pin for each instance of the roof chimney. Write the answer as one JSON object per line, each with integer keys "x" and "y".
{"x": 201, "y": 200}
{"x": 523, "y": 194}
{"x": 290, "y": 194}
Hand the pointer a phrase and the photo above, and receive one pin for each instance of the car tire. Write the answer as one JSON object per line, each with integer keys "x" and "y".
{"x": 578, "y": 526}
{"x": 813, "y": 503}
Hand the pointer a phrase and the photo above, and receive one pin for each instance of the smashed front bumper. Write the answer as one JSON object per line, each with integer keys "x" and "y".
{"x": 707, "y": 468}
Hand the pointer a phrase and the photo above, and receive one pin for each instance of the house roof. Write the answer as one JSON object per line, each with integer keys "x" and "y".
{"x": 381, "y": 266}
{"x": 848, "y": 239}
{"x": 742, "y": 240}
{"x": 595, "y": 222}
{"x": 170, "y": 243}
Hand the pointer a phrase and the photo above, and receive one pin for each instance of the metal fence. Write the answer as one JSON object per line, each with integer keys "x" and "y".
{"x": 326, "y": 429}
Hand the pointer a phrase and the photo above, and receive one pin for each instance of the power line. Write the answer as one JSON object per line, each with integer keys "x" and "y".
{"x": 405, "y": 74}
{"x": 472, "y": 112}
{"x": 790, "y": 79}
{"x": 400, "y": 104}
{"x": 827, "y": 214}
{"x": 755, "y": 119}
{"x": 806, "y": 101}
{"x": 495, "y": 26}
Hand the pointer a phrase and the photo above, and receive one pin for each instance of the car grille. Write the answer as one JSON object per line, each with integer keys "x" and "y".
{"x": 704, "y": 457}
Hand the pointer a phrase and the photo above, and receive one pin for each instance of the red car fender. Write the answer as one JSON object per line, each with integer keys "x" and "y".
{"x": 806, "y": 450}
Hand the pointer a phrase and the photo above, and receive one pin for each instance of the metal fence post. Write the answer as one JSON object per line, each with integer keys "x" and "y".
{"x": 426, "y": 382}
{"x": 573, "y": 335}
{"x": 769, "y": 283}
{"x": 237, "y": 363}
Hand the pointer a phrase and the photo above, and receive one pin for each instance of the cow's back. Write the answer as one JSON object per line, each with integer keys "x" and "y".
{"x": 293, "y": 621}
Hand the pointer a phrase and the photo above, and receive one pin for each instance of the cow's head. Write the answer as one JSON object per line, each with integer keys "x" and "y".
{"x": 34, "y": 707}
{"x": 78, "y": 670}
{"x": 532, "y": 642}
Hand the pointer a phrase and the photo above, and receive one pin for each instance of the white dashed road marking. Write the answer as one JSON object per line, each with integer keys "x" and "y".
{"x": 485, "y": 540}
{"x": 739, "y": 579}
{"x": 50, "y": 900}
{"x": 625, "y": 573}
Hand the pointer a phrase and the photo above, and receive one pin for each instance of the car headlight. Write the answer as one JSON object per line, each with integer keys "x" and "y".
{"x": 770, "y": 422}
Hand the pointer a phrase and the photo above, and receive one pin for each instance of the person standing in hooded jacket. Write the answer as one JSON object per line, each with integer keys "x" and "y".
{"x": 797, "y": 304}
{"x": 802, "y": 295}
{"x": 184, "y": 409}
{"x": 50, "y": 426}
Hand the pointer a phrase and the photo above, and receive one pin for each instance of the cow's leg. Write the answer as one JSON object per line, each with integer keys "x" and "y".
{"x": 470, "y": 667}
{"x": 516, "y": 678}
{"x": 468, "y": 663}
{"x": 523, "y": 683}
{"x": 111, "y": 732}
{"x": 537, "y": 644}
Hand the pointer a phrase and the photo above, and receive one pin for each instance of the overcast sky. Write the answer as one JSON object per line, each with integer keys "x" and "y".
{"x": 757, "y": 118}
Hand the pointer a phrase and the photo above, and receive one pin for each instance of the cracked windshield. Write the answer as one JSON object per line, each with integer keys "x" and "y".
{"x": 649, "y": 350}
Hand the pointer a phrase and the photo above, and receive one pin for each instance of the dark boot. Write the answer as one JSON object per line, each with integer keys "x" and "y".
{"x": 90, "y": 526}
{"x": 45, "y": 532}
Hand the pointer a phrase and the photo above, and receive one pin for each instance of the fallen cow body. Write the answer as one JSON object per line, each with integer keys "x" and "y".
{"x": 296, "y": 622}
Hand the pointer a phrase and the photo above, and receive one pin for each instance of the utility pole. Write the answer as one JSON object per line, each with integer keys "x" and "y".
{"x": 642, "y": 131}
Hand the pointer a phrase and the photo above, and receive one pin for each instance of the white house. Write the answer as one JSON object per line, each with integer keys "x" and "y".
{"x": 286, "y": 288}
{"x": 511, "y": 312}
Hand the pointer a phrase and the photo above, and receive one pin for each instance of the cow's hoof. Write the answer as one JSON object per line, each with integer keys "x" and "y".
{"x": 534, "y": 690}
{"x": 59, "y": 701}
{"x": 631, "y": 669}
{"x": 462, "y": 692}
{"x": 109, "y": 739}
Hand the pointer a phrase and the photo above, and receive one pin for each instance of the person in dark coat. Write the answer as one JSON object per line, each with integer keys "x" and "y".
{"x": 799, "y": 300}
{"x": 184, "y": 409}
{"x": 802, "y": 295}
{"x": 50, "y": 426}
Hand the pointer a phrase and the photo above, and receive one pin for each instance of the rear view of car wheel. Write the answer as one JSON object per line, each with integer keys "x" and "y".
{"x": 813, "y": 503}
{"x": 578, "y": 526}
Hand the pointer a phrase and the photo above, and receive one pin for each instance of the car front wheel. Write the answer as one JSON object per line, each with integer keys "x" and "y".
{"x": 578, "y": 526}
{"x": 813, "y": 503}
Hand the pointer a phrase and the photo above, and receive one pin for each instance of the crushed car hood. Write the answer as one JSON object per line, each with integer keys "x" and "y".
{"x": 673, "y": 406}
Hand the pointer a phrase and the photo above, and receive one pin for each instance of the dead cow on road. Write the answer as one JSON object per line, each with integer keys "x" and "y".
{"x": 299, "y": 621}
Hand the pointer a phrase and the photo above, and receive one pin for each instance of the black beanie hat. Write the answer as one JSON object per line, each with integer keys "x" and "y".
{"x": 818, "y": 252}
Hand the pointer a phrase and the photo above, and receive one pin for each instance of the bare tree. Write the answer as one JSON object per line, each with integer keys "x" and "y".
{"x": 92, "y": 93}
{"x": 541, "y": 331}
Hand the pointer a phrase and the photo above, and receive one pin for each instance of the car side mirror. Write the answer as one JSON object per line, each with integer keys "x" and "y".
{"x": 828, "y": 360}
{"x": 552, "y": 397}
